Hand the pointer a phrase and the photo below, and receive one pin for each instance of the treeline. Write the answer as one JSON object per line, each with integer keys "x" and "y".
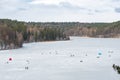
{"x": 97, "y": 30}
{"x": 14, "y": 33}
{"x": 9, "y": 39}
{"x": 35, "y": 34}
{"x": 101, "y": 30}
{"x": 11, "y": 34}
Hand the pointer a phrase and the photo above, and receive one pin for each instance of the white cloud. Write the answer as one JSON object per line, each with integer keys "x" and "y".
{"x": 61, "y": 10}
{"x": 48, "y": 2}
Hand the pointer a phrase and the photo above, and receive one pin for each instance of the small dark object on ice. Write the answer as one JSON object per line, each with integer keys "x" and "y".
{"x": 81, "y": 60}
{"x": 10, "y": 59}
{"x": 26, "y": 67}
{"x": 110, "y": 51}
{"x": 56, "y": 52}
{"x": 49, "y": 52}
{"x": 116, "y": 68}
{"x": 28, "y": 61}
{"x": 72, "y": 55}
{"x": 7, "y": 62}
{"x": 109, "y": 55}
{"x": 98, "y": 57}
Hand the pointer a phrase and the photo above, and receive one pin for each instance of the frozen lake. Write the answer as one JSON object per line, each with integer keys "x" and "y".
{"x": 77, "y": 59}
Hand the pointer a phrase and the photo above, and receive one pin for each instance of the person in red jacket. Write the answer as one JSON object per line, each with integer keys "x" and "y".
{"x": 10, "y": 59}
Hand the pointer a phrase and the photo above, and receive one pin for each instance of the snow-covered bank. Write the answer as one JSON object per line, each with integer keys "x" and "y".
{"x": 77, "y": 59}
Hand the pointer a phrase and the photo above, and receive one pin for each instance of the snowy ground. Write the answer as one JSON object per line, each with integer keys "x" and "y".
{"x": 77, "y": 59}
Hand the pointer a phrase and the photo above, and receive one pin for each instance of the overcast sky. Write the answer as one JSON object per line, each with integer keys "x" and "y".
{"x": 61, "y": 10}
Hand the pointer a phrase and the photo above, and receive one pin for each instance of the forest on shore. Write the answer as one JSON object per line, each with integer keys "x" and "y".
{"x": 14, "y": 33}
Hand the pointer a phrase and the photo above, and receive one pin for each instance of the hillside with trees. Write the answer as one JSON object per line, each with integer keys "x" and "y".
{"x": 14, "y": 33}
{"x": 97, "y": 30}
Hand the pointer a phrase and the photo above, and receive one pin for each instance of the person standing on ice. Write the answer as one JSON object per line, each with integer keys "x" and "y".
{"x": 99, "y": 53}
{"x": 26, "y": 67}
{"x": 9, "y": 60}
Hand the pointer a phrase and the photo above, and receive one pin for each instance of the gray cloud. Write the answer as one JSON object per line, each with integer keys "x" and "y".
{"x": 61, "y": 5}
{"x": 117, "y": 10}
{"x": 70, "y": 6}
{"x": 24, "y": 10}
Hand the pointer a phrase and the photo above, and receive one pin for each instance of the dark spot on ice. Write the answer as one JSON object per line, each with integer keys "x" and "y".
{"x": 81, "y": 60}
{"x": 49, "y": 52}
{"x": 26, "y": 68}
{"x": 98, "y": 57}
{"x": 116, "y": 68}
{"x": 7, "y": 62}
{"x": 109, "y": 55}
{"x": 110, "y": 51}
{"x": 56, "y": 52}
{"x": 72, "y": 55}
{"x": 28, "y": 61}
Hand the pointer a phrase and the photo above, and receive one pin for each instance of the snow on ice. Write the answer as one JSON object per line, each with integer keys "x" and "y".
{"x": 77, "y": 59}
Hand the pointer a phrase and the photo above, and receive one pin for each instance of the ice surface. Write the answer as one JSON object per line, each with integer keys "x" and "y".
{"x": 77, "y": 59}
